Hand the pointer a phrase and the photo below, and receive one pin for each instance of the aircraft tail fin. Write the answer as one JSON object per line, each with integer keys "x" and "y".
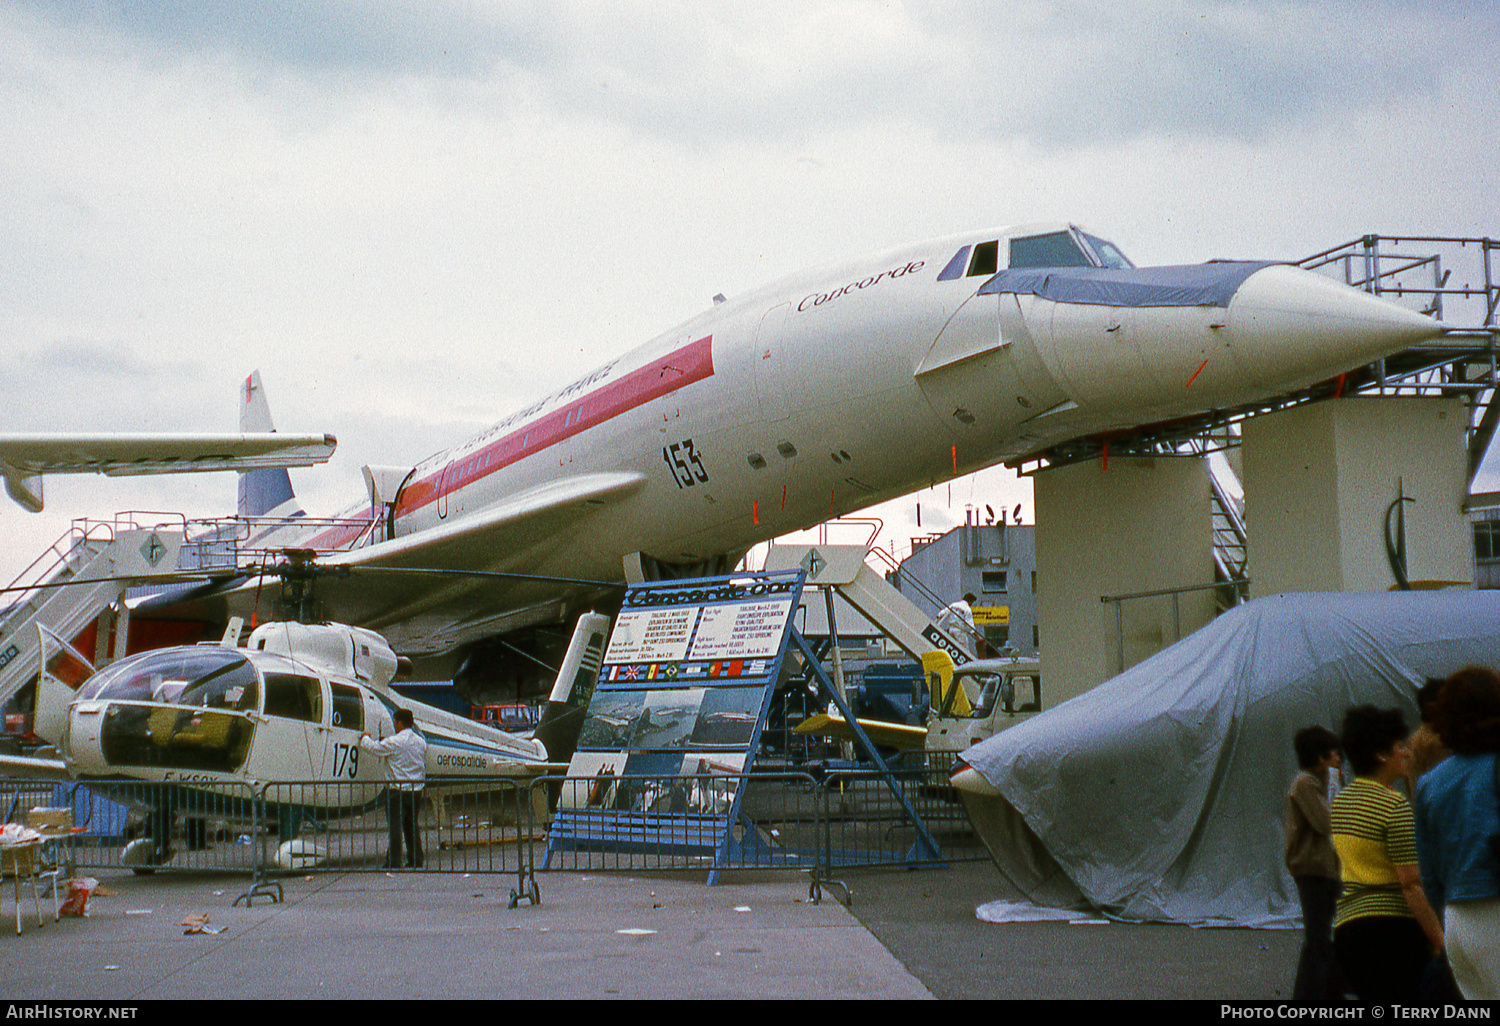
{"x": 263, "y": 492}
{"x": 562, "y": 719}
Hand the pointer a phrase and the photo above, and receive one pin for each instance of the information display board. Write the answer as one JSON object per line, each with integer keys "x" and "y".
{"x": 677, "y": 714}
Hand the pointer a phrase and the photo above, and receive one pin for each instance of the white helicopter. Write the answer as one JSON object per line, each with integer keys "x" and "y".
{"x": 202, "y": 722}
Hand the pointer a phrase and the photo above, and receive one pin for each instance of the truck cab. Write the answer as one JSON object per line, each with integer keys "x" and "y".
{"x": 971, "y": 702}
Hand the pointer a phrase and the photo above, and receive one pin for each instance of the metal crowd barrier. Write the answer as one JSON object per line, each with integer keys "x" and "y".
{"x": 815, "y": 821}
{"x": 464, "y": 826}
{"x": 683, "y": 822}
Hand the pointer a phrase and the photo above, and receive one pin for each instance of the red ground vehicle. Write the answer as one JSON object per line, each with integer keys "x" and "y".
{"x": 511, "y": 718}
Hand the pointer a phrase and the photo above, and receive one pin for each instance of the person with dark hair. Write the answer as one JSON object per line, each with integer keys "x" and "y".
{"x": 1313, "y": 863}
{"x": 406, "y": 773}
{"x": 1427, "y": 749}
{"x": 1385, "y": 932}
{"x": 1458, "y": 809}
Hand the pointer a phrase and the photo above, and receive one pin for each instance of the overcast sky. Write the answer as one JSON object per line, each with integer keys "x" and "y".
{"x": 412, "y": 217}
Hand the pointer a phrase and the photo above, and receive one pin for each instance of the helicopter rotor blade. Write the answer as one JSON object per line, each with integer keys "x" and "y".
{"x": 481, "y": 574}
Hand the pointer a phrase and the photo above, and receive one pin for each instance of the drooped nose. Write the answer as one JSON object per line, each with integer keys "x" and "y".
{"x": 1152, "y": 343}
{"x": 1288, "y": 327}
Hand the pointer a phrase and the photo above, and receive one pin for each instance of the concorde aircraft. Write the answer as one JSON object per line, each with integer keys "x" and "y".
{"x": 820, "y": 394}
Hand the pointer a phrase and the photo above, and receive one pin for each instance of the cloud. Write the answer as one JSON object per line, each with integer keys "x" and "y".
{"x": 366, "y": 37}
{"x": 1055, "y": 72}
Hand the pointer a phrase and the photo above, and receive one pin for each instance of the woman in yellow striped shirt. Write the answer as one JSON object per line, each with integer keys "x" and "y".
{"x": 1385, "y": 932}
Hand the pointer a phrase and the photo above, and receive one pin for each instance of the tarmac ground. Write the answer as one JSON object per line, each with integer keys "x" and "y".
{"x": 904, "y": 935}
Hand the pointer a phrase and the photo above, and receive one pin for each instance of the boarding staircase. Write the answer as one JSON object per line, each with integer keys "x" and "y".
{"x": 1227, "y": 512}
{"x": 81, "y": 576}
{"x": 81, "y": 579}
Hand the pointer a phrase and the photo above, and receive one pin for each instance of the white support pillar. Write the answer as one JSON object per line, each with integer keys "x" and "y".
{"x": 1135, "y": 525}
{"x": 1319, "y": 480}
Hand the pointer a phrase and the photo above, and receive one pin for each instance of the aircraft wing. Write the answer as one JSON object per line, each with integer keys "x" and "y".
{"x": 418, "y": 604}
{"x": 25, "y": 458}
{"x": 896, "y": 735}
{"x": 519, "y": 521}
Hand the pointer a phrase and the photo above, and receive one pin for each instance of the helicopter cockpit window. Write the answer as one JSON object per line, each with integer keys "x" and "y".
{"x": 294, "y": 696}
{"x": 208, "y": 677}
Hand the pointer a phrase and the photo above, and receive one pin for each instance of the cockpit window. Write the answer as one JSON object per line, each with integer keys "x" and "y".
{"x": 1072, "y": 248}
{"x": 955, "y": 267}
{"x": 1055, "y": 249}
{"x": 193, "y": 724}
{"x": 209, "y": 677}
{"x": 173, "y": 738}
{"x": 1109, "y": 255}
{"x": 1003, "y": 689}
{"x": 986, "y": 259}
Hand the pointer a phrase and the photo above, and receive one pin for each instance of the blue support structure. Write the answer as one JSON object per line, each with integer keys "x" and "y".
{"x": 682, "y": 642}
{"x": 926, "y": 849}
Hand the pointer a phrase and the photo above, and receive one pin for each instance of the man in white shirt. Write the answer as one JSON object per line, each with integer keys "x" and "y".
{"x": 405, "y": 753}
{"x": 957, "y": 620}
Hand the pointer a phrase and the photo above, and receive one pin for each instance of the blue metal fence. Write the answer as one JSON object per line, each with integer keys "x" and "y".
{"x": 818, "y": 822}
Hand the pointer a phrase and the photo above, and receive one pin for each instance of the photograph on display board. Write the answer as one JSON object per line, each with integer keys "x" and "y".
{"x": 727, "y": 717}
{"x": 713, "y": 781}
{"x": 611, "y": 719}
{"x": 657, "y": 796}
{"x": 670, "y": 784}
{"x": 597, "y": 780}
{"x": 653, "y": 783}
{"x": 667, "y": 720}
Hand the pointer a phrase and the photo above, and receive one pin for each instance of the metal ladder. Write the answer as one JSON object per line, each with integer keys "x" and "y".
{"x": 103, "y": 561}
{"x": 1227, "y": 512}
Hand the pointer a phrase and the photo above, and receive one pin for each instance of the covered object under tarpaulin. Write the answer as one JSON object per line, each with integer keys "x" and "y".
{"x": 1159, "y": 794}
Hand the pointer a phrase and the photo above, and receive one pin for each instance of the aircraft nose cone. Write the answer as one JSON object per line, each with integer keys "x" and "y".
{"x": 1289, "y": 327}
{"x": 970, "y": 779}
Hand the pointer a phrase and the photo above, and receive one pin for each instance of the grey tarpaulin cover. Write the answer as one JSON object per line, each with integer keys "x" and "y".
{"x": 1159, "y": 794}
{"x": 1186, "y": 285}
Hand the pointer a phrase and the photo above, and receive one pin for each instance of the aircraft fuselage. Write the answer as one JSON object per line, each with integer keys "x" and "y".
{"x": 835, "y": 389}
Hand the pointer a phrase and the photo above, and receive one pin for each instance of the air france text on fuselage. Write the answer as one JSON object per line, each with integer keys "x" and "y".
{"x": 541, "y": 404}
{"x": 819, "y": 298}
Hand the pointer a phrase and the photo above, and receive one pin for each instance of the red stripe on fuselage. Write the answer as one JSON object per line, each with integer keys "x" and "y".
{"x": 662, "y": 376}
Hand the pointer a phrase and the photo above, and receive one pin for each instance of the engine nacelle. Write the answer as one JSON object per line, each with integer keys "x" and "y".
{"x": 335, "y": 648}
